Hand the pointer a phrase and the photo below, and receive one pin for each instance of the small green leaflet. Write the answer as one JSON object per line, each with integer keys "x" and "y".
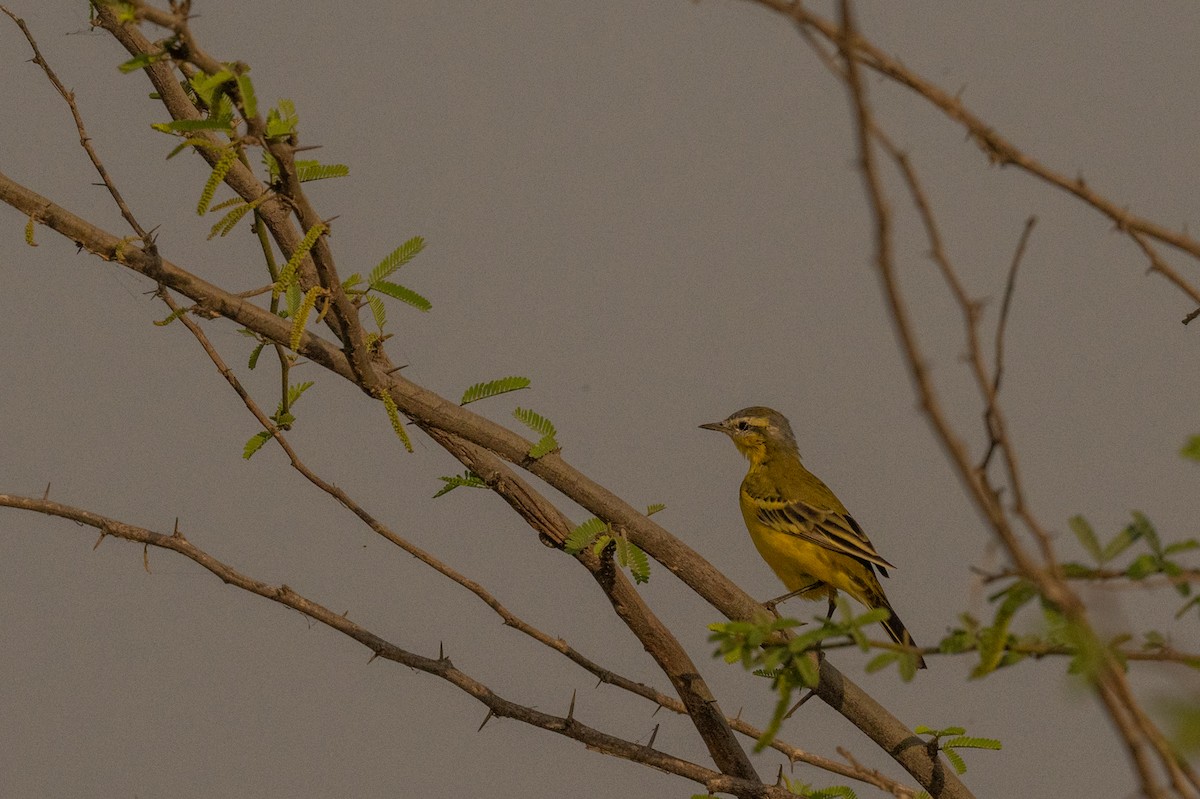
{"x": 1191, "y": 450}
{"x": 631, "y": 556}
{"x": 255, "y": 444}
{"x": 396, "y": 259}
{"x": 467, "y": 479}
{"x": 539, "y": 424}
{"x": 583, "y": 535}
{"x": 396, "y": 291}
{"x": 246, "y": 90}
{"x": 282, "y": 120}
{"x": 312, "y": 170}
{"x": 493, "y": 388}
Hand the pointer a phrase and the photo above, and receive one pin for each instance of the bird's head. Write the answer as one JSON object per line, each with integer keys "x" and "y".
{"x": 757, "y": 432}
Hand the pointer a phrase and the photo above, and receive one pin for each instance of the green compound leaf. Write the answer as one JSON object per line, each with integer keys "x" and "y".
{"x": 296, "y": 390}
{"x": 1086, "y": 536}
{"x": 396, "y": 291}
{"x": 257, "y": 351}
{"x": 255, "y": 444}
{"x": 539, "y": 424}
{"x": 535, "y": 421}
{"x": 545, "y": 446}
{"x": 396, "y": 259}
{"x": 193, "y": 125}
{"x": 465, "y": 480}
{"x": 175, "y": 314}
{"x": 312, "y": 170}
{"x": 282, "y": 120}
{"x": 249, "y": 101}
{"x": 493, "y": 388}
{"x": 633, "y": 558}
{"x": 219, "y": 171}
{"x": 583, "y": 535}
{"x": 230, "y": 220}
{"x": 956, "y": 760}
{"x": 288, "y": 273}
{"x": 394, "y": 417}
{"x": 377, "y": 310}
{"x": 971, "y": 742}
{"x": 141, "y": 61}
{"x": 300, "y": 320}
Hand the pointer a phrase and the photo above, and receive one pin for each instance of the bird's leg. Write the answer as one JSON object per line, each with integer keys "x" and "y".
{"x": 771, "y": 603}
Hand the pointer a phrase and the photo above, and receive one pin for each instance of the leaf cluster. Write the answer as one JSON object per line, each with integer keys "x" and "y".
{"x": 955, "y": 738}
{"x": 768, "y": 648}
{"x": 1157, "y": 559}
{"x": 599, "y": 535}
{"x": 283, "y": 418}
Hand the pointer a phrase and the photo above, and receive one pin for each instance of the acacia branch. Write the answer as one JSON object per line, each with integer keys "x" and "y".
{"x": 1135, "y": 728}
{"x": 436, "y": 415}
{"x": 433, "y": 413}
{"x": 998, "y": 149}
{"x": 441, "y": 667}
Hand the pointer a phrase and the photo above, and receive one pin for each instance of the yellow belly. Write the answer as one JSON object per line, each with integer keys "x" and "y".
{"x": 799, "y": 563}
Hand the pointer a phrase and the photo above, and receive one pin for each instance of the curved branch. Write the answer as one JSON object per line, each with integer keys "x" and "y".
{"x": 441, "y": 667}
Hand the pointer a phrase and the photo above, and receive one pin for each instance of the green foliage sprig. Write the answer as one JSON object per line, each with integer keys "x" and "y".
{"x": 240, "y": 209}
{"x": 215, "y": 178}
{"x": 393, "y": 413}
{"x": 543, "y": 427}
{"x": 598, "y": 535}
{"x": 493, "y": 388}
{"x": 377, "y": 282}
{"x": 1158, "y": 559}
{"x": 467, "y": 479}
{"x": 956, "y": 738}
{"x": 287, "y": 275}
{"x": 283, "y": 418}
{"x": 300, "y": 320}
{"x": 789, "y": 661}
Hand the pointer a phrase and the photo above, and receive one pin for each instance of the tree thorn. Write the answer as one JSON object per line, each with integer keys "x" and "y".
{"x": 486, "y": 719}
{"x": 571, "y": 709}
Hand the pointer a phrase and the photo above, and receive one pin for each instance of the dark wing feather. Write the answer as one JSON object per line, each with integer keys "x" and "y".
{"x": 825, "y": 528}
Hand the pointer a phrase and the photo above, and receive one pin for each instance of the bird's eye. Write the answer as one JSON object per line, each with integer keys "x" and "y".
{"x": 743, "y": 425}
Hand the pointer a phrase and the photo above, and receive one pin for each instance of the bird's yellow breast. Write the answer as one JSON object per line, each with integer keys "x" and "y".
{"x": 799, "y": 563}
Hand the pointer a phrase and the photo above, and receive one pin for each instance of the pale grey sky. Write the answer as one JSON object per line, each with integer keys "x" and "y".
{"x": 652, "y": 211}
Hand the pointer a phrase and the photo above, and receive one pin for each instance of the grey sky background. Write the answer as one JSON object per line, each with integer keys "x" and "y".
{"x": 651, "y": 210}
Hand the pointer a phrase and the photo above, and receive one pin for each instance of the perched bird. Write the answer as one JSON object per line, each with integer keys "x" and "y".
{"x": 804, "y": 532}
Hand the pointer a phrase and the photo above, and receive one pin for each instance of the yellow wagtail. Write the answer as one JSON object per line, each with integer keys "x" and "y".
{"x": 801, "y": 529}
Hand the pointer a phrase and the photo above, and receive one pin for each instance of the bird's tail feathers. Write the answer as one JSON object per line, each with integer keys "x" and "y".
{"x": 898, "y": 632}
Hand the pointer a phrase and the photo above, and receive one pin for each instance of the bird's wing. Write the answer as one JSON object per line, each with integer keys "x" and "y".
{"x": 827, "y": 528}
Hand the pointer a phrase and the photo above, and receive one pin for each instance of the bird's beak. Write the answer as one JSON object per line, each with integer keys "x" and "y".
{"x": 718, "y": 426}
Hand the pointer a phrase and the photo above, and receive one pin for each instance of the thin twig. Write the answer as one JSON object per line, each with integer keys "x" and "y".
{"x": 439, "y": 667}
{"x": 998, "y": 149}
{"x": 84, "y": 138}
{"x": 1006, "y": 303}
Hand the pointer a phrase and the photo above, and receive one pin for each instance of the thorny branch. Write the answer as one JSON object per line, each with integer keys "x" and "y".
{"x": 1141, "y": 736}
{"x": 447, "y": 422}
